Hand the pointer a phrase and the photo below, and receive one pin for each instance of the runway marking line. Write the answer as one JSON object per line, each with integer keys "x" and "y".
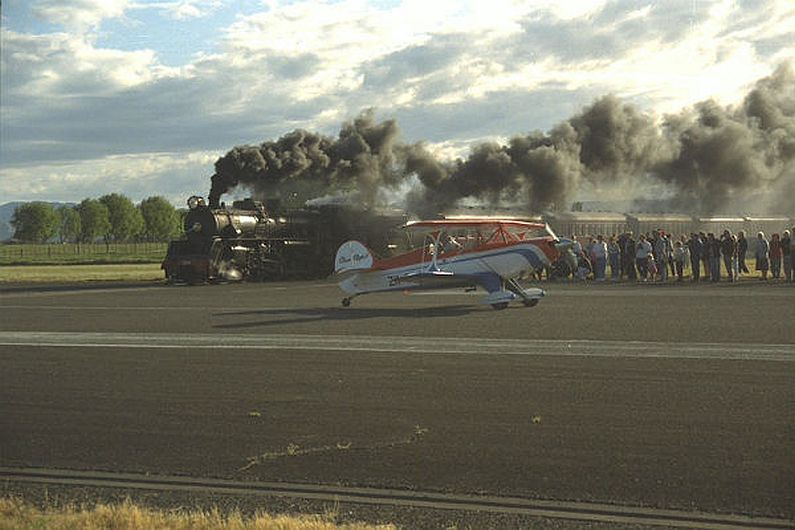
{"x": 580, "y": 511}
{"x": 405, "y": 344}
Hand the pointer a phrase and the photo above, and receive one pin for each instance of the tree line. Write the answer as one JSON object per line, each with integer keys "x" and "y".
{"x": 112, "y": 217}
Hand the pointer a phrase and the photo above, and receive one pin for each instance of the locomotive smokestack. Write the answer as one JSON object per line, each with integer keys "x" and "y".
{"x": 214, "y": 197}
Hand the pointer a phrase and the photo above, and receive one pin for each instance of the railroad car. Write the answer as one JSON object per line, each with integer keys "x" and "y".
{"x": 587, "y": 223}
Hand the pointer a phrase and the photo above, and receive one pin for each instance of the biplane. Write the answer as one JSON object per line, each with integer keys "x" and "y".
{"x": 468, "y": 253}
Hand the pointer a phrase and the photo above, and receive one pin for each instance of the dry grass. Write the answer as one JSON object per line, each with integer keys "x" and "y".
{"x": 16, "y": 514}
{"x": 80, "y": 273}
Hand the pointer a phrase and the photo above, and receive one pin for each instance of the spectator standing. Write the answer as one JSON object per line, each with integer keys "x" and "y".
{"x": 669, "y": 251}
{"x": 713, "y": 252}
{"x": 630, "y": 249}
{"x": 736, "y": 266}
{"x": 589, "y": 247}
{"x": 786, "y": 251}
{"x": 696, "y": 246}
{"x": 729, "y": 250}
{"x": 651, "y": 266}
{"x": 705, "y": 256}
{"x": 775, "y": 255}
{"x": 622, "y": 242}
{"x": 599, "y": 257}
{"x": 679, "y": 260}
{"x": 762, "y": 251}
{"x": 642, "y": 254}
{"x": 576, "y": 249}
{"x": 614, "y": 256}
{"x": 660, "y": 247}
{"x": 576, "y": 246}
{"x": 686, "y": 249}
{"x": 742, "y": 250}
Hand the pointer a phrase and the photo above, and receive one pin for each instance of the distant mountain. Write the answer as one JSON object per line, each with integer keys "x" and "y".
{"x": 7, "y": 213}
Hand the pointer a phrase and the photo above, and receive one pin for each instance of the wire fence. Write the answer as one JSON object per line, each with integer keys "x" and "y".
{"x": 82, "y": 252}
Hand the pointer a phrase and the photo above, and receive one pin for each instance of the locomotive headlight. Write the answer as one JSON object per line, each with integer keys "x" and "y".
{"x": 193, "y": 202}
{"x": 197, "y": 227}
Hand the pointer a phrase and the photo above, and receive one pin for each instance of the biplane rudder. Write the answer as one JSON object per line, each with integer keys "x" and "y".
{"x": 353, "y": 256}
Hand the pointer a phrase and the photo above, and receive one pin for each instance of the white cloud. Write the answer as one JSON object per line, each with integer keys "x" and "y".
{"x": 79, "y": 15}
{"x": 182, "y": 9}
{"x": 138, "y": 176}
{"x": 63, "y": 66}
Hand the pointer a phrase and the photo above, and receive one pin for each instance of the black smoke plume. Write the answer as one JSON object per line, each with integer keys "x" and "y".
{"x": 301, "y": 162}
{"x": 706, "y": 155}
{"x": 721, "y": 152}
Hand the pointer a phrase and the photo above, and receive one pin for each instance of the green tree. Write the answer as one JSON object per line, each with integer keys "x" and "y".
{"x": 125, "y": 219}
{"x": 35, "y": 222}
{"x": 69, "y": 224}
{"x": 94, "y": 220}
{"x": 161, "y": 220}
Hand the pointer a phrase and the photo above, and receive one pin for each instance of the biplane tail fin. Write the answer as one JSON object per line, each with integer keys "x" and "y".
{"x": 353, "y": 256}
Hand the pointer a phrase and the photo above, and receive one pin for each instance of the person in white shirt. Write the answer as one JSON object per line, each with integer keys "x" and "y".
{"x": 642, "y": 254}
{"x": 599, "y": 258}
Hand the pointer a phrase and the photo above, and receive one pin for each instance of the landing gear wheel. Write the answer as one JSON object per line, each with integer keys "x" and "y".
{"x": 346, "y": 302}
{"x": 500, "y": 306}
{"x": 530, "y": 303}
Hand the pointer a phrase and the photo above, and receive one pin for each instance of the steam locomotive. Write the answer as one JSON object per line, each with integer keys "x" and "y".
{"x": 260, "y": 241}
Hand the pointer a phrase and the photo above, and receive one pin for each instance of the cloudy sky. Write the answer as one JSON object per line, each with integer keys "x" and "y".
{"x": 141, "y": 97}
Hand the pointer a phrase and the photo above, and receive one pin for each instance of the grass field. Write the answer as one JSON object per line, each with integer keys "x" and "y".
{"x": 74, "y": 253}
{"x": 18, "y": 515}
{"x": 80, "y": 273}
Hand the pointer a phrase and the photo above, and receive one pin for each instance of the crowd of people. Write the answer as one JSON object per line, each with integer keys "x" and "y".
{"x": 661, "y": 257}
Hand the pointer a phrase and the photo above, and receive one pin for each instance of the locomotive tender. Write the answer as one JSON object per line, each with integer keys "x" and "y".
{"x": 259, "y": 241}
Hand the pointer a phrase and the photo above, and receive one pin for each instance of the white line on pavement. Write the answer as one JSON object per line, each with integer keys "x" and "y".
{"x": 406, "y": 344}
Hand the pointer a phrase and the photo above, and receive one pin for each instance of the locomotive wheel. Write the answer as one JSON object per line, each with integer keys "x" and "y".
{"x": 530, "y": 303}
{"x": 500, "y": 306}
{"x": 346, "y": 302}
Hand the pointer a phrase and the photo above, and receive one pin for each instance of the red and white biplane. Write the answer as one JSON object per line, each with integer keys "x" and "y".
{"x": 454, "y": 253}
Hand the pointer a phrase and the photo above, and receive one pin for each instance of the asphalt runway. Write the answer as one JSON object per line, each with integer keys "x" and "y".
{"x": 675, "y": 397}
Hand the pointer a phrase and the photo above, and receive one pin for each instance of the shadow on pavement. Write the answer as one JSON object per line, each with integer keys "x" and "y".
{"x": 297, "y": 316}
